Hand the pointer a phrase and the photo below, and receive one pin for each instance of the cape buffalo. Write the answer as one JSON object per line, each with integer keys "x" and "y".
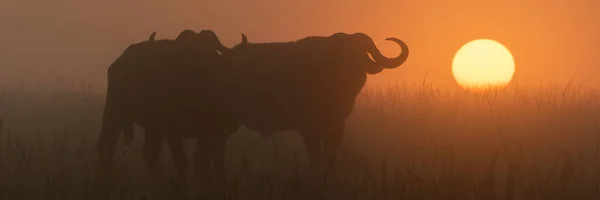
{"x": 168, "y": 87}
{"x": 309, "y": 85}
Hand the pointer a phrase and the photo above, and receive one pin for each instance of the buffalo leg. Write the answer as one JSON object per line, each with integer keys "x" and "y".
{"x": 209, "y": 148}
{"x": 114, "y": 119}
{"x": 202, "y": 157}
{"x": 332, "y": 140}
{"x": 313, "y": 139}
{"x": 202, "y": 165}
{"x": 178, "y": 153}
{"x": 107, "y": 142}
{"x": 181, "y": 165}
{"x": 106, "y": 145}
{"x": 152, "y": 147}
{"x": 217, "y": 152}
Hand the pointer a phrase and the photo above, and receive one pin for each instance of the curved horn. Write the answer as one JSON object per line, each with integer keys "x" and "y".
{"x": 390, "y": 63}
{"x": 152, "y": 36}
{"x": 223, "y": 49}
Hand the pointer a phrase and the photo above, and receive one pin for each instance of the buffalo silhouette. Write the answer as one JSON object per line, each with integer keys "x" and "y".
{"x": 309, "y": 85}
{"x": 168, "y": 87}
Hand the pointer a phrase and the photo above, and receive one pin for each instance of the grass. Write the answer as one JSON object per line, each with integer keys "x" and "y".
{"x": 403, "y": 141}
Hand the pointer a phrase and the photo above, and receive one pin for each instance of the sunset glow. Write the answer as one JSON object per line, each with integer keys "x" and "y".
{"x": 482, "y": 63}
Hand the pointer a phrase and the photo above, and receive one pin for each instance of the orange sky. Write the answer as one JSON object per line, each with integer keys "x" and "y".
{"x": 551, "y": 40}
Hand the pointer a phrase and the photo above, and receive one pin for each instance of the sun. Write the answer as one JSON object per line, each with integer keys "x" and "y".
{"x": 483, "y": 63}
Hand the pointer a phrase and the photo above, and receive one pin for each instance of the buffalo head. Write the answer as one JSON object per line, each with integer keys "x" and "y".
{"x": 356, "y": 48}
{"x": 186, "y": 36}
{"x": 204, "y": 38}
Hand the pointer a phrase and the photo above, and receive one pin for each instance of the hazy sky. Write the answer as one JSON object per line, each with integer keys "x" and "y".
{"x": 550, "y": 39}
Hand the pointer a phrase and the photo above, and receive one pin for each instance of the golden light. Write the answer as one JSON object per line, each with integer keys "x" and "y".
{"x": 483, "y": 63}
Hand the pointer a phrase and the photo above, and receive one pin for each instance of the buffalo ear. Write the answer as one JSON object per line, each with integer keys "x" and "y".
{"x": 151, "y": 39}
{"x": 244, "y": 39}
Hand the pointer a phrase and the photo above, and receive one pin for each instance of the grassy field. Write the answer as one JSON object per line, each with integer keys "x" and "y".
{"x": 403, "y": 141}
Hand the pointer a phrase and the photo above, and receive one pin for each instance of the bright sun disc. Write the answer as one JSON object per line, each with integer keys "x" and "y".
{"x": 483, "y": 63}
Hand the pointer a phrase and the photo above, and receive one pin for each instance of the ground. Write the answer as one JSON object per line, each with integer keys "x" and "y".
{"x": 403, "y": 141}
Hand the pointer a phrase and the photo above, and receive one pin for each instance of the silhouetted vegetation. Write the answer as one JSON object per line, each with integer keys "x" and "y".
{"x": 403, "y": 141}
